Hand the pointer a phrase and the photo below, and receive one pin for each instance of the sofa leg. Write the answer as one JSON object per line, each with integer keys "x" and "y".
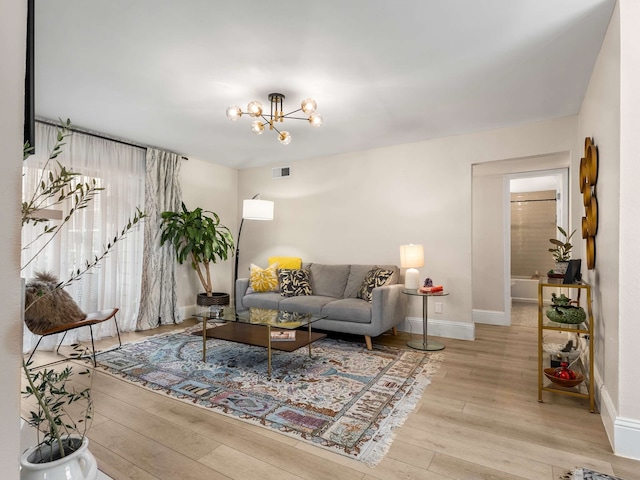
{"x": 367, "y": 339}
{"x": 394, "y": 330}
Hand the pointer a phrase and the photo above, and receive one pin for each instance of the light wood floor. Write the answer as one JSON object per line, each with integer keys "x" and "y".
{"x": 479, "y": 419}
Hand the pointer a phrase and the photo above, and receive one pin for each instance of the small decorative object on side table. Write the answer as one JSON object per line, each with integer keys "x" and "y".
{"x": 425, "y": 344}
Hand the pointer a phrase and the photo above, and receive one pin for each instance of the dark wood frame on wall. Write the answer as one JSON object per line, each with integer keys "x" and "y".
{"x": 588, "y": 180}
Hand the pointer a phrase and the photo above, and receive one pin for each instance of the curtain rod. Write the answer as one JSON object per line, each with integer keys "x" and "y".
{"x": 103, "y": 136}
{"x": 534, "y": 200}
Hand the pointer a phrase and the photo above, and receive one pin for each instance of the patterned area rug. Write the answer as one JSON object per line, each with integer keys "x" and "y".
{"x": 345, "y": 398}
{"x": 586, "y": 474}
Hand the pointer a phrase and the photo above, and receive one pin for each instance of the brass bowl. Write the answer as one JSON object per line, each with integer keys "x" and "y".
{"x": 561, "y": 382}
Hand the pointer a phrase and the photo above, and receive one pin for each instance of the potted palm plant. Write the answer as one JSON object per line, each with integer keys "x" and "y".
{"x": 561, "y": 252}
{"x": 61, "y": 413}
{"x": 198, "y": 237}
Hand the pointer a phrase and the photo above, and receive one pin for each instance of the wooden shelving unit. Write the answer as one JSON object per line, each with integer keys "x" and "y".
{"x": 583, "y": 331}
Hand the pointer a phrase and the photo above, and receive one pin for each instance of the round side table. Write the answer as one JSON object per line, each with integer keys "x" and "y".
{"x": 425, "y": 344}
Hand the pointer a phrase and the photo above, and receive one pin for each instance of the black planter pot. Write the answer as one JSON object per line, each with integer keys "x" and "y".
{"x": 216, "y": 298}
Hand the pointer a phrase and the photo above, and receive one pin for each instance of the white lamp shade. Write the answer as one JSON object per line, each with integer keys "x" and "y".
{"x": 411, "y": 256}
{"x": 256, "y": 209}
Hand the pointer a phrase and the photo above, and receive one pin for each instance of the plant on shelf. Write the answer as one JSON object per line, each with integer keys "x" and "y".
{"x": 561, "y": 251}
{"x": 198, "y": 237}
{"x": 61, "y": 414}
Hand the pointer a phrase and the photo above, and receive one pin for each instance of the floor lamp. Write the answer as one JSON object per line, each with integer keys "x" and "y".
{"x": 252, "y": 209}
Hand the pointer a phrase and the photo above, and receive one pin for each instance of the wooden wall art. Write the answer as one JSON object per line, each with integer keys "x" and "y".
{"x": 588, "y": 179}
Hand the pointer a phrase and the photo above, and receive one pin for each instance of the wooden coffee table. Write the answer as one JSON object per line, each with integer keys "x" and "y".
{"x": 255, "y": 327}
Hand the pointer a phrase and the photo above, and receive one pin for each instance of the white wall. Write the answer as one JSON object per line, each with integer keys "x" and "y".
{"x": 600, "y": 118}
{"x": 610, "y": 115}
{"x": 629, "y": 313}
{"x": 611, "y": 112}
{"x": 211, "y": 187}
{"x": 488, "y": 243}
{"x": 359, "y": 207}
{"x": 12, "y": 32}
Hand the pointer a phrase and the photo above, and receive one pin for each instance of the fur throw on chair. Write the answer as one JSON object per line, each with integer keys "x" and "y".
{"x": 50, "y": 306}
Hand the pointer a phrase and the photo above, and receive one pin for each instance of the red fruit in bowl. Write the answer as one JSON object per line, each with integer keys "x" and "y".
{"x": 572, "y": 374}
{"x": 564, "y": 374}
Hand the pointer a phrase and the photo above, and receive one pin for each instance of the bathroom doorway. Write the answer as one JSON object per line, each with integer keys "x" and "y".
{"x": 538, "y": 203}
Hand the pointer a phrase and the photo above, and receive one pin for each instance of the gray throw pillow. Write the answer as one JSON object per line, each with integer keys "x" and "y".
{"x": 376, "y": 277}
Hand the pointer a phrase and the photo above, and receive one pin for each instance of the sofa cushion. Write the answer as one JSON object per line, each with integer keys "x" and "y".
{"x": 261, "y": 300}
{"x": 294, "y": 282}
{"x": 329, "y": 280}
{"x": 357, "y": 273}
{"x": 286, "y": 262}
{"x": 376, "y": 277}
{"x": 305, "y": 303}
{"x": 263, "y": 279}
{"x": 348, "y": 309}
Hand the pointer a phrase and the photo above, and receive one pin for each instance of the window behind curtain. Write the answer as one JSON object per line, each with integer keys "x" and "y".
{"x": 120, "y": 169}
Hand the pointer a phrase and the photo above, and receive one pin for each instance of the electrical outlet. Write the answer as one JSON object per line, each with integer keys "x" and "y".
{"x": 438, "y": 307}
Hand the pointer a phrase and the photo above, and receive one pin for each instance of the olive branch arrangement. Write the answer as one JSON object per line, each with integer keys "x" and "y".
{"x": 56, "y": 401}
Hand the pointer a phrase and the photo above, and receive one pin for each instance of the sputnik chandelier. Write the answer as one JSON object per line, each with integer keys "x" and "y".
{"x": 254, "y": 109}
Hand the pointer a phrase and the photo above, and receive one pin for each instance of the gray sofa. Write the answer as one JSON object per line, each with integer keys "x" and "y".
{"x": 334, "y": 293}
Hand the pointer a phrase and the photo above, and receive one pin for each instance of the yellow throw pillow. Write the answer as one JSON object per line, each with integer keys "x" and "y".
{"x": 292, "y": 263}
{"x": 264, "y": 280}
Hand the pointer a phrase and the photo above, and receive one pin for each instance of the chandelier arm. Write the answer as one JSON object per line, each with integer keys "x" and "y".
{"x": 276, "y": 129}
{"x": 292, "y": 112}
{"x": 297, "y": 118}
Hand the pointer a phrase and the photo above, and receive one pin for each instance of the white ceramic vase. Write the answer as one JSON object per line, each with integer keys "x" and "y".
{"x": 79, "y": 465}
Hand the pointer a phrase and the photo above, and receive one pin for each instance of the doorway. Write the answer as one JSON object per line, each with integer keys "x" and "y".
{"x": 538, "y": 203}
{"x": 491, "y": 227}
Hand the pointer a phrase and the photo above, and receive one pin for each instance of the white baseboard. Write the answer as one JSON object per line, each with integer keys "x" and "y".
{"x": 524, "y": 300}
{"x": 440, "y": 328}
{"x": 623, "y": 433}
{"x": 491, "y": 317}
{"x": 187, "y": 311}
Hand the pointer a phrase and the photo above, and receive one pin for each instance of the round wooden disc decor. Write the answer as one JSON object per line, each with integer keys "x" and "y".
{"x": 592, "y": 165}
{"x": 586, "y": 196}
{"x": 592, "y": 217}
{"x": 585, "y": 227}
{"x": 587, "y": 142}
{"x": 591, "y": 253}
{"x": 583, "y": 174}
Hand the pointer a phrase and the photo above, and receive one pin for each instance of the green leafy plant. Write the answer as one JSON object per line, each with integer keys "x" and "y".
{"x": 62, "y": 413}
{"x": 199, "y": 237}
{"x": 561, "y": 251}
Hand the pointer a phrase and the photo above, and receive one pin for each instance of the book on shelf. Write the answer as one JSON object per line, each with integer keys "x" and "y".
{"x": 283, "y": 336}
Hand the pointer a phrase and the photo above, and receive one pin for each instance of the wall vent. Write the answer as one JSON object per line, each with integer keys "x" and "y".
{"x": 280, "y": 172}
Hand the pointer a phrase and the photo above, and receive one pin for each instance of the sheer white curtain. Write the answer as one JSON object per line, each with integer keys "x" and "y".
{"x": 120, "y": 170}
{"x": 159, "y": 302}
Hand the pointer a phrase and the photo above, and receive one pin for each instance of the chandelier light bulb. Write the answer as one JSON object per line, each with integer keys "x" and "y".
{"x": 254, "y": 108}
{"x": 284, "y": 137}
{"x": 315, "y": 119}
{"x": 234, "y": 113}
{"x": 308, "y": 105}
{"x": 257, "y": 127}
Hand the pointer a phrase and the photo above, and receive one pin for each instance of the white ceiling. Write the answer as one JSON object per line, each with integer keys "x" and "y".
{"x": 162, "y": 72}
